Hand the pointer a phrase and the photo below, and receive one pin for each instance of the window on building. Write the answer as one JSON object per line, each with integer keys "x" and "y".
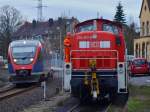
{"x": 147, "y": 28}
{"x": 136, "y": 51}
{"x": 145, "y": 8}
{"x": 143, "y": 50}
{"x": 139, "y": 51}
{"x": 143, "y": 29}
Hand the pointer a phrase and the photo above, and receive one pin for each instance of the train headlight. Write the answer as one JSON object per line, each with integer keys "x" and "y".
{"x": 31, "y": 59}
{"x": 15, "y": 60}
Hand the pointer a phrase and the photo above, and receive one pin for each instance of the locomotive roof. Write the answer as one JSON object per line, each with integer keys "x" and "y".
{"x": 24, "y": 42}
{"x": 103, "y": 20}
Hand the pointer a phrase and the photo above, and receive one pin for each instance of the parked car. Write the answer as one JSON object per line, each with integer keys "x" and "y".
{"x": 139, "y": 66}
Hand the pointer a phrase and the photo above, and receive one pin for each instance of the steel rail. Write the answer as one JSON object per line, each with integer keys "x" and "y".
{"x": 74, "y": 108}
{"x": 6, "y": 89}
{"x": 14, "y": 92}
{"x": 106, "y": 110}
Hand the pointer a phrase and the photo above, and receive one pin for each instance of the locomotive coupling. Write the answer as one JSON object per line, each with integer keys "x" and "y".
{"x": 94, "y": 81}
{"x": 86, "y": 82}
{"x": 94, "y": 85}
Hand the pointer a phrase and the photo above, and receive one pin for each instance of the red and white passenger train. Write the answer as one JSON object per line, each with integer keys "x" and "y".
{"x": 26, "y": 61}
{"x": 95, "y": 60}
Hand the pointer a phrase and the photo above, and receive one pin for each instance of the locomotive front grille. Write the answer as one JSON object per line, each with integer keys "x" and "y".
{"x": 105, "y": 59}
{"x": 100, "y": 63}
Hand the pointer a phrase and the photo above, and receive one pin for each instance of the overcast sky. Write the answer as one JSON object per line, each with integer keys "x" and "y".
{"x": 82, "y": 9}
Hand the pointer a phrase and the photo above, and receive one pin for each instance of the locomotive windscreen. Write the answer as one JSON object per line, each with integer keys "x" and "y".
{"x": 110, "y": 28}
{"x": 90, "y": 26}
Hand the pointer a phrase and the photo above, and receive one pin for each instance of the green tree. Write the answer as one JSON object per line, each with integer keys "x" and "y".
{"x": 120, "y": 16}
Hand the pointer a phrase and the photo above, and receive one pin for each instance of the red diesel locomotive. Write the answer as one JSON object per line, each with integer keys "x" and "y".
{"x": 95, "y": 60}
{"x": 26, "y": 62}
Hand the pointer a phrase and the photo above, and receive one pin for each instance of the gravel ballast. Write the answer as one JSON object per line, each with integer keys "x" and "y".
{"x": 50, "y": 105}
{"x": 24, "y": 100}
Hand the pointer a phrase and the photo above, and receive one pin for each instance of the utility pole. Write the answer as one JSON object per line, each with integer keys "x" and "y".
{"x": 97, "y": 14}
{"x": 40, "y": 10}
{"x": 61, "y": 56}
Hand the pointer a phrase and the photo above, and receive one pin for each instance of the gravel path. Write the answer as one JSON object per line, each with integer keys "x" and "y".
{"x": 3, "y": 77}
{"x": 50, "y": 105}
{"x": 140, "y": 80}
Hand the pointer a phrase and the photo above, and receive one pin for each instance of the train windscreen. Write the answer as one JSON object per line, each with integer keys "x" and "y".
{"x": 23, "y": 54}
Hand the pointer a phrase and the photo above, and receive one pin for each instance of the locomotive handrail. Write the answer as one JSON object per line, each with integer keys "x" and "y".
{"x": 92, "y": 58}
{"x": 113, "y": 69}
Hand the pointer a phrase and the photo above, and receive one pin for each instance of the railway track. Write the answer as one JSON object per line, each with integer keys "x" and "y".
{"x": 11, "y": 92}
{"x": 7, "y": 88}
{"x": 90, "y": 108}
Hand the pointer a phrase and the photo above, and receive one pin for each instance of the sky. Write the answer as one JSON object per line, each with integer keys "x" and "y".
{"x": 82, "y": 9}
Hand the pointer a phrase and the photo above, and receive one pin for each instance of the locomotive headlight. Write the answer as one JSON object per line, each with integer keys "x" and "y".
{"x": 15, "y": 60}
{"x": 120, "y": 68}
{"x": 31, "y": 59}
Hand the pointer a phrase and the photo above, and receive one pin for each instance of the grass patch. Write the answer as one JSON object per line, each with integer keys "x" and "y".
{"x": 139, "y": 100}
{"x": 138, "y": 105}
{"x": 139, "y": 90}
{"x": 114, "y": 109}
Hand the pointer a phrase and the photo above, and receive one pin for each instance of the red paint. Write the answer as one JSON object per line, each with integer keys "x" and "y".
{"x": 92, "y": 39}
{"x": 24, "y": 67}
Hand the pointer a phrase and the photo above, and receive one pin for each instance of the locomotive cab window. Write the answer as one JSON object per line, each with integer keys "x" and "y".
{"x": 110, "y": 28}
{"x": 86, "y": 27}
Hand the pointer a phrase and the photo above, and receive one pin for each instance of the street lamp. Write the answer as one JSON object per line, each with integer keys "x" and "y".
{"x": 60, "y": 47}
{"x": 61, "y": 72}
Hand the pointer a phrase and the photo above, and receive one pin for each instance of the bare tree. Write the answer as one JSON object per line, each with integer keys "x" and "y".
{"x": 10, "y": 20}
{"x": 130, "y": 33}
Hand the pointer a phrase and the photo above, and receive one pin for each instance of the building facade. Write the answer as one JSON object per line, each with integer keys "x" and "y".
{"x": 51, "y": 32}
{"x": 142, "y": 43}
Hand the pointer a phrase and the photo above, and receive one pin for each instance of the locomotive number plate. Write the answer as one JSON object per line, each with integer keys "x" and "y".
{"x": 94, "y": 44}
